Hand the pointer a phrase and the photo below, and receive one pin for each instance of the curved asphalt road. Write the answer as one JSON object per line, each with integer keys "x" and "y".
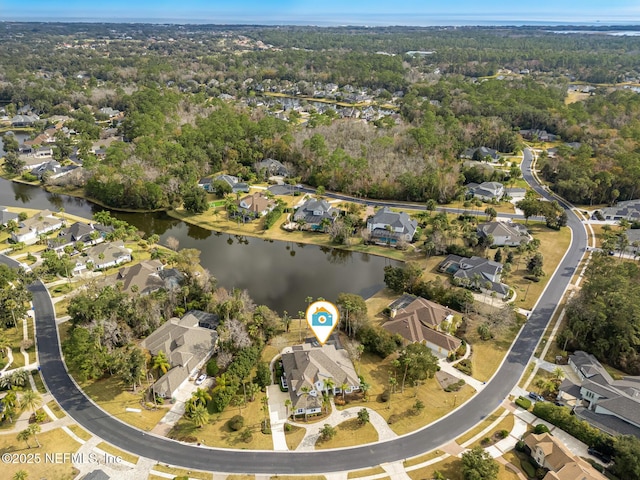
{"x": 94, "y": 419}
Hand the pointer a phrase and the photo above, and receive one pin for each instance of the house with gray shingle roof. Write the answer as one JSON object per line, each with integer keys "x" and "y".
{"x": 31, "y": 228}
{"x": 504, "y": 233}
{"x": 6, "y": 216}
{"x": 481, "y": 154}
{"x": 475, "y": 272}
{"x": 314, "y": 212}
{"x": 629, "y": 210}
{"x": 387, "y": 227}
{"x": 187, "y": 346}
{"x": 612, "y": 406}
{"x": 272, "y": 167}
{"x": 234, "y": 182}
{"x": 307, "y": 367}
{"x": 106, "y": 255}
{"x": 486, "y": 191}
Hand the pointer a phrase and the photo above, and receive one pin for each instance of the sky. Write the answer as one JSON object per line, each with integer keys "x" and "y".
{"x": 328, "y": 12}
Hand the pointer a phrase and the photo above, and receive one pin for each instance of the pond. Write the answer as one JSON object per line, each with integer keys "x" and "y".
{"x": 277, "y": 274}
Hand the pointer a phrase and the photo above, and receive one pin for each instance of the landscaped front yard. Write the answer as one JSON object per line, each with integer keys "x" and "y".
{"x": 349, "y": 434}
{"x": 437, "y": 402}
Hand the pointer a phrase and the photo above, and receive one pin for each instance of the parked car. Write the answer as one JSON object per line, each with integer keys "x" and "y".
{"x": 599, "y": 455}
{"x": 536, "y": 397}
{"x": 201, "y": 379}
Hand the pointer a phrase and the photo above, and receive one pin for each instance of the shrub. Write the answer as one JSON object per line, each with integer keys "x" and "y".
{"x": 502, "y": 434}
{"x": 454, "y": 387}
{"x": 394, "y": 418}
{"x": 464, "y": 366}
{"x": 485, "y": 441}
{"x": 561, "y": 417}
{"x": 520, "y": 446}
{"x": 385, "y": 396}
{"x": 246, "y": 435}
{"x": 236, "y": 423}
{"x": 287, "y": 427}
{"x": 529, "y": 469}
{"x": 523, "y": 403}
{"x": 540, "y": 428}
{"x": 541, "y": 473}
{"x": 212, "y": 368}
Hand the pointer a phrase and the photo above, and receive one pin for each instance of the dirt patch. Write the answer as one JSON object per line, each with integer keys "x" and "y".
{"x": 445, "y": 379}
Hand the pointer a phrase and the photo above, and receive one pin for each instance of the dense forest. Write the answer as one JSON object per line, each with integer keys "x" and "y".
{"x": 469, "y": 87}
{"x": 604, "y": 318}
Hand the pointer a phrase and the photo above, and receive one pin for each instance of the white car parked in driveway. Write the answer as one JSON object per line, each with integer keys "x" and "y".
{"x": 201, "y": 379}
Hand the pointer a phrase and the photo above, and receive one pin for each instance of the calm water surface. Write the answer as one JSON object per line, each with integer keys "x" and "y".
{"x": 278, "y": 274}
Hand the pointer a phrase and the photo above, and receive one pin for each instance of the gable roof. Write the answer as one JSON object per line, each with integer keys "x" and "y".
{"x": 143, "y": 276}
{"x": 256, "y": 203}
{"x": 6, "y": 216}
{"x": 314, "y": 210}
{"x": 305, "y": 365}
{"x": 514, "y": 232}
{"x": 112, "y": 251}
{"x": 401, "y": 220}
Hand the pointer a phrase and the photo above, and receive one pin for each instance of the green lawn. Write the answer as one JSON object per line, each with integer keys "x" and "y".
{"x": 349, "y": 434}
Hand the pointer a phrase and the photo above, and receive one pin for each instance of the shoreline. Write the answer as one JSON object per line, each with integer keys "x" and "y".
{"x": 401, "y": 256}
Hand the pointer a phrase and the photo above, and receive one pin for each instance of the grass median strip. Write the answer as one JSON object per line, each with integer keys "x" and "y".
{"x": 80, "y": 432}
{"x": 365, "y": 473}
{"x": 480, "y": 427}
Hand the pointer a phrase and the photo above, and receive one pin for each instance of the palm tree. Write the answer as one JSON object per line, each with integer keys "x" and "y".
{"x": 30, "y": 400}
{"x": 199, "y": 415}
{"x": 343, "y": 387}
{"x": 24, "y": 435}
{"x": 201, "y": 397}
{"x": 9, "y": 403}
{"x": 161, "y": 363}
{"x": 364, "y": 386}
{"x": 288, "y": 405}
{"x": 252, "y": 390}
{"x": 20, "y": 475}
{"x": 34, "y": 429}
{"x": 328, "y": 384}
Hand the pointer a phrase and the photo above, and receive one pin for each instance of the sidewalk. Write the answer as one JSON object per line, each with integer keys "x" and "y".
{"x": 337, "y": 417}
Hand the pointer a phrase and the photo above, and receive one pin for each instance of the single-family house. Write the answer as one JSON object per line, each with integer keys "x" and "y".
{"x": 475, "y": 272}
{"x": 306, "y": 368}
{"x": 481, "y": 154}
{"x": 110, "y": 112}
{"x": 612, "y": 406}
{"x": 255, "y": 205}
{"x": 234, "y": 182}
{"x": 40, "y": 223}
{"x": 551, "y": 454}
{"x": 417, "y": 319}
{"x": 187, "y": 346}
{"x": 314, "y": 214}
{"x": 87, "y": 233}
{"x": 387, "y": 227}
{"x": 628, "y": 210}
{"x": 538, "y": 135}
{"x": 24, "y": 120}
{"x": 272, "y": 167}
{"x": 486, "y": 191}
{"x": 108, "y": 254}
{"x": 52, "y": 170}
{"x": 504, "y": 233}
{"x": 6, "y": 216}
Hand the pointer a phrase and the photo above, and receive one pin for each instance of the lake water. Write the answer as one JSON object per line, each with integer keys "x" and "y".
{"x": 278, "y": 274}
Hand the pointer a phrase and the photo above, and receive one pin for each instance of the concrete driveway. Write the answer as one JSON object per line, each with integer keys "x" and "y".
{"x": 277, "y": 416}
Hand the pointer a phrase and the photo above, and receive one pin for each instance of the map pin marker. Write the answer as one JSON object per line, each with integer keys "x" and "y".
{"x": 322, "y": 317}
